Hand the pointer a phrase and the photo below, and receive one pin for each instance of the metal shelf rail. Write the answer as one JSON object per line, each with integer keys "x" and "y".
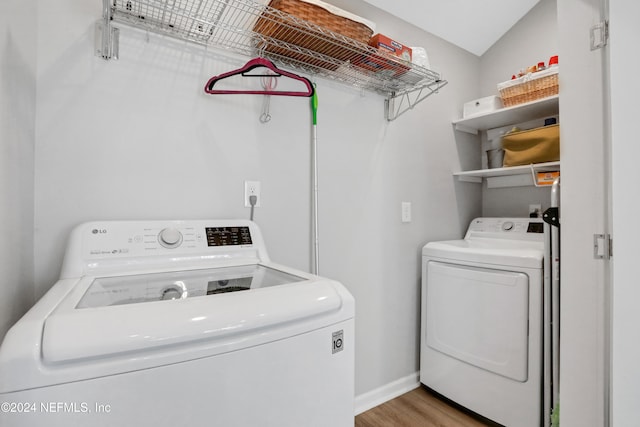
{"x": 238, "y": 25}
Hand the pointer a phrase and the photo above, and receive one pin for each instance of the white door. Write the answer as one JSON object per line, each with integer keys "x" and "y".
{"x": 479, "y": 316}
{"x": 584, "y": 329}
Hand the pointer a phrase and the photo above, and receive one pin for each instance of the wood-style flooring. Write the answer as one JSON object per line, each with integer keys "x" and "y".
{"x": 418, "y": 408}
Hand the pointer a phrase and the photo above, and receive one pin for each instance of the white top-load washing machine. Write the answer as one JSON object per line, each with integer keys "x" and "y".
{"x": 482, "y": 314}
{"x": 180, "y": 323}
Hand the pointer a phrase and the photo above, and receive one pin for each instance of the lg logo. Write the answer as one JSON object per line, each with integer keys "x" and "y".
{"x": 99, "y": 231}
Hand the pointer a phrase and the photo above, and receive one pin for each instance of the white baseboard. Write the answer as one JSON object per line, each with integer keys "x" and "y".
{"x": 386, "y": 392}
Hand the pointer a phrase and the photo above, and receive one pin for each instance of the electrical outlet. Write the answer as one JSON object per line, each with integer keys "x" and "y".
{"x": 535, "y": 211}
{"x": 251, "y": 188}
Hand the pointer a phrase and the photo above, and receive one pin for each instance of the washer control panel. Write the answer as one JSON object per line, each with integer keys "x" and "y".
{"x": 122, "y": 239}
{"x": 106, "y": 246}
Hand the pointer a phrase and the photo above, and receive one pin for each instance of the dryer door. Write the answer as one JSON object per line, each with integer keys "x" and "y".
{"x": 479, "y": 316}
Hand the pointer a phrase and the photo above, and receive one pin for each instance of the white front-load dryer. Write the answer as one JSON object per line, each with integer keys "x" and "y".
{"x": 180, "y": 323}
{"x": 482, "y": 313}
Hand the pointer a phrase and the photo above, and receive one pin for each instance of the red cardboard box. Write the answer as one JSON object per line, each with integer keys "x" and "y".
{"x": 383, "y": 64}
{"x": 388, "y": 45}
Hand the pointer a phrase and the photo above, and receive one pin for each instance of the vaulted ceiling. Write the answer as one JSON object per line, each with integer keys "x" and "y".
{"x": 474, "y": 25}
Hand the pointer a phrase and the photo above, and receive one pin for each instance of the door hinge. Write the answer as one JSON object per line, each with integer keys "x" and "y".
{"x": 602, "y": 246}
{"x": 599, "y": 34}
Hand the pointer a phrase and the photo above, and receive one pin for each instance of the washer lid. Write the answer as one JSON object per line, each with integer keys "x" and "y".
{"x": 113, "y": 316}
{"x": 500, "y": 252}
{"x": 141, "y": 288}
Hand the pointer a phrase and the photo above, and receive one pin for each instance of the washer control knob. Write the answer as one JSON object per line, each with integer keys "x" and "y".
{"x": 170, "y": 293}
{"x": 170, "y": 238}
{"x": 507, "y": 226}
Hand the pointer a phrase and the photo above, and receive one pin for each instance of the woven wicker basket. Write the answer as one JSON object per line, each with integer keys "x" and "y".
{"x": 529, "y": 87}
{"x": 286, "y": 29}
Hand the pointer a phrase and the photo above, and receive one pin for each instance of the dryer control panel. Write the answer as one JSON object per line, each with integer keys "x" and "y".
{"x": 502, "y": 227}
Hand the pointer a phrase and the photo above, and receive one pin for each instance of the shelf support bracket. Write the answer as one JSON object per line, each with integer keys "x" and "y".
{"x": 466, "y": 129}
{"x": 107, "y": 37}
{"x": 399, "y": 103}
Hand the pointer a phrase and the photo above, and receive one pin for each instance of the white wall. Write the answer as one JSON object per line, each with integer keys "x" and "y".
{"x": 137, "y": 138}
{"x": 17, "y": 124}
{"x": 626, "y": 208}
{"x": 532, "y": 39}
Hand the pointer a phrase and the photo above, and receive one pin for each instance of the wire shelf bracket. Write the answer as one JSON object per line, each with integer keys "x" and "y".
{"x": 107, "y": 37}
{"x": 398, "y": 104}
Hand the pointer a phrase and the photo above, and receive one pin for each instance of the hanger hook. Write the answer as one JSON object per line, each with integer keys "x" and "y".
{"x": 265, "y": 117}
{"x": 268, "y": 83}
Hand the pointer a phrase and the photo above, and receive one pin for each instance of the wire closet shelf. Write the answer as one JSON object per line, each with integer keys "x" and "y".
{"x": 254, "y": 29}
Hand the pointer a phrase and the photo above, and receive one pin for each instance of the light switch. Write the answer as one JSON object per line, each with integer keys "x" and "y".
{"x": 406, "y": 211}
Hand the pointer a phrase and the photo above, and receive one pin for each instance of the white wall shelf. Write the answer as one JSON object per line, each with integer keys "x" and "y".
{"x": 253, "y": 29}
{"x": 513, "y": 176}
{"x": 509, "y": 115}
